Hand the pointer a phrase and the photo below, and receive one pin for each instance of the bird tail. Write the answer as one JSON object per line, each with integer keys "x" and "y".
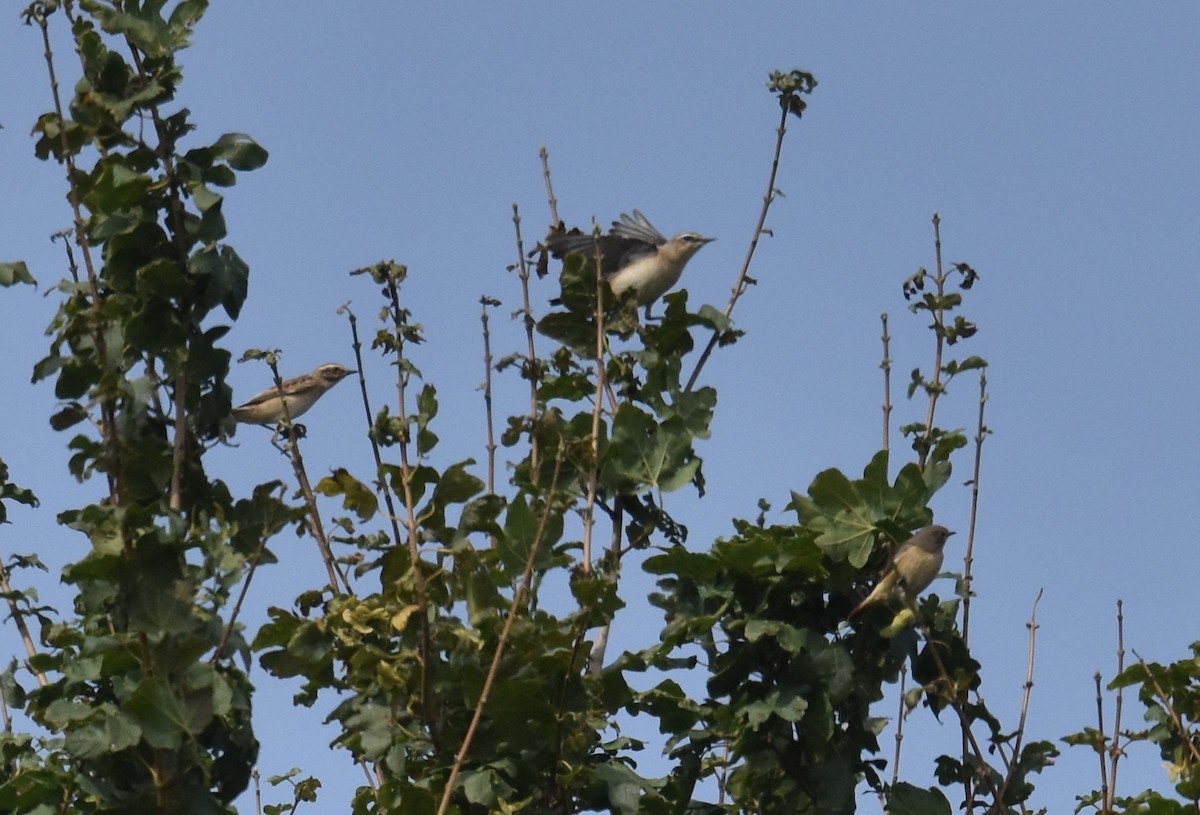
{"x": 882, "y": 589}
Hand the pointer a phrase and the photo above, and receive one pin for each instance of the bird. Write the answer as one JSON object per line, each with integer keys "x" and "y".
{"x": 633, "y": 255}
{"x": 300, "y": 394}
{"x": 916, "y": 563}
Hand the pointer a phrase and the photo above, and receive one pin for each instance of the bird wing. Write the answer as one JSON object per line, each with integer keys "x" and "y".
{"x": 270, "y": 393}
{"x": 617, "y": 249}
{"x": 636, "y": 227}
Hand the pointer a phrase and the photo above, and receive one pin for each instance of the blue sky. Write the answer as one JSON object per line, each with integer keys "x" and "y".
{"x": 1057, "y": 141}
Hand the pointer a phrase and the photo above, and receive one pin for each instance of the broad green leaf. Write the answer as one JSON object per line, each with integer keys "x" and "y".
{"x": 15, "y": 272}
{"x": 357, "y": 497}
{"x": 906, "y": 799}
{"x": 168, "y": 716}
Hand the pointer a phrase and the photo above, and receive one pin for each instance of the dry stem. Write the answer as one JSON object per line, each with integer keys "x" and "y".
{"x": 939, "y": 318}
{"x": 740, "y": 285}
{"x": 531, "y": 367}
{"x": 485, "y": 302}
{"x": 886, "y": 365}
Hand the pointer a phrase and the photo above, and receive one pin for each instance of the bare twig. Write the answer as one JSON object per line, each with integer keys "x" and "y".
{"x": 1027, "y": 688}
{"x": 741, "y": 284}
{"x": 1100, "y": 749}
{"x": 1116, "y": 751}
{"x": 487, "y": 302}
{"x": 939, "y": 319}
{"x": 886, "y": 365}
{"x": 899, "y": 726}
{"x": 531, "y": 367}
{"x": 544, "y": 155}
{"x": 981, "y": 432}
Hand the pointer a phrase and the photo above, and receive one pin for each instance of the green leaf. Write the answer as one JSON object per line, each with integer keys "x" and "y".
{"x": 906, "y": 799}
{"x": 169, "y": 716}
{"x": 228, "y": 278}
{"x": 240, "y": 151}
{"x": 699, "y": 567}
{"x": 457, "y": 485}
{"x": 847, "y": 514}
{"x": 521, "y": 525}
{"x": 157, "y": 612}
{"x": 644, "y": 454}
{"x": 111, "y": 732}
{"x": 624, "y": 787}
{"x": 357, "y": 497}
{"x": 484, "y": 787}
{"x": 15, "y": 272}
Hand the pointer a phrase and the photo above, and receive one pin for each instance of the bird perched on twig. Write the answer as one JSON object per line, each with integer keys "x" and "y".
{"x": 300, "y": 394}
{"x": 916, "y": 563}
{"x": 633, "y": 255}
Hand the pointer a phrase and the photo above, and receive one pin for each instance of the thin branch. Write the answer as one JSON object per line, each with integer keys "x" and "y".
{"x": 410, "y": 508}
{"x": 741, "y": 284}
{"x": 589, "y": 512}
{"x": 1100, "y": 750}
{"x": 18, "y": 617}
{"x": 107, "y": 408}
{"x": 899, "y": 728}
{"x": 291, "y": 450}
{"x": 939, "y": 320}
{"x": 981, "y": 433}
{"x": 964, "y": 719}
{"x": 382, "y": 485}
{"x": 531, "y": 368}
{"x": 487, "y": 302}
{"x": 723, "y": 775}
{"x": 1176, "y": 719}
{"x": 494, "y": 668}
{"x": 615, "y": 553}
{"x": 237, "y": 606}
{"x": 1117, "y": 750}
{"x": 5, "y": 716}
{"x": 1027, "y": 690}
{"x": 886, "y": 365}
{"x": 544, "y": 155}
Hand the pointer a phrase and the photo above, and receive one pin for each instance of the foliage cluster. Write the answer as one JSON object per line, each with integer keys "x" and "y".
{"x": 456, "y": 688}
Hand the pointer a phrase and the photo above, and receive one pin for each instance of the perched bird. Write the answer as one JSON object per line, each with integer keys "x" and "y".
{"x": 300, "y": 394}
{"x": 915, "y": 565}
{"x": 633, "y": 255}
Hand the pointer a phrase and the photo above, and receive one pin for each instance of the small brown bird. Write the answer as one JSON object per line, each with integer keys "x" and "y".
{"x": 634, "y": 255}
{"x": 916, "y": 563}
{"x": 300, "y": 393}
